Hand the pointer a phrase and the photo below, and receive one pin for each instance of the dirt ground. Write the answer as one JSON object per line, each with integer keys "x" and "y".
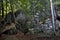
{"x": 21, "y": 36}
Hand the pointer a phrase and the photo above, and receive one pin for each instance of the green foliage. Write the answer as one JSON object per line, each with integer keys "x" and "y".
{"x": 56, "y": 2}
{"x": 27, "y": 5}
{"x": 30, "y": 7}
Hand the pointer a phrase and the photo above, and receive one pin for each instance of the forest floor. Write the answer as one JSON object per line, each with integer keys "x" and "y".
{"x": 21, "y": 36}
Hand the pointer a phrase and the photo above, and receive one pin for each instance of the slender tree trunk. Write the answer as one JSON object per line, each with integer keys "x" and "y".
{"x": 2, "y": 8}
{"x": 6, "y": 8}
{"x": 12, "y": 14}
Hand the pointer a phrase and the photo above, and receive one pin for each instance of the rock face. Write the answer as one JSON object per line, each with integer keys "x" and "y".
{"x": 20, "y": 24}
{"x": 45, "y": 28}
